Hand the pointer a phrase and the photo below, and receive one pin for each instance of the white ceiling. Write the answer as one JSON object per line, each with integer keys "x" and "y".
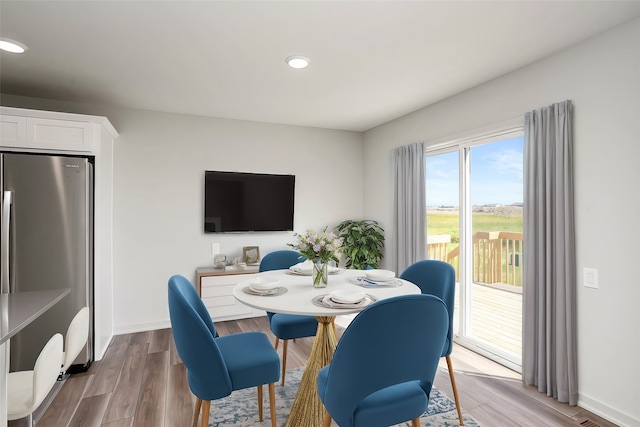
{"x": 371, "y": 61}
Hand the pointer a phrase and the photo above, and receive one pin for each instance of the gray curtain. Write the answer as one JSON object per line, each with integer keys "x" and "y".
{"x": 549, "y": 359}
{"x": 409, "y": 206}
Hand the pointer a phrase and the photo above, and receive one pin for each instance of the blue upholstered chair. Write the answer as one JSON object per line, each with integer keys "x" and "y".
{"x": 384, "y": 365}
{"x": 287, "y": 326}
{"x": 218, "y": 366}
{"x": 438, "y": 278}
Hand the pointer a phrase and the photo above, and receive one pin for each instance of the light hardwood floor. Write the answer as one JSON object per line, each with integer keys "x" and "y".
{"x": 141, "y": 382}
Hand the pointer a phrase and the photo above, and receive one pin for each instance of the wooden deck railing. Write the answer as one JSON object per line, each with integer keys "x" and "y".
{"x": 437, "y": 246}
{"x": 497, "y": 255}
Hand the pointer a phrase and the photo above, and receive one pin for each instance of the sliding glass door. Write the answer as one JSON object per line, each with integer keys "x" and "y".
{"x": 474, "y": 221}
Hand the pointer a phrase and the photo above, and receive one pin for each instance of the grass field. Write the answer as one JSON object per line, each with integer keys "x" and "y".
{"x": 448, "y": 223}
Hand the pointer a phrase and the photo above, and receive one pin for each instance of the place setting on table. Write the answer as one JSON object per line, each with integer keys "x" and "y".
{"x": 263, "y": 286}
{"x": 376, "y": 279}
{"x": 349, "y": 298}
{"x": 292, "y": 290}
{"x": 306, "y": 268}
{"x": 345, "y": 298}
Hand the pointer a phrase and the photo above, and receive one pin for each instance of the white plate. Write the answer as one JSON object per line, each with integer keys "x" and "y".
{"x": 326, "y": 301}
{"x": 347, "y": 296}
{"x": 263, "y": 293}
{"x": 263, "y": 283}
{"x": 280, "y": 290}
{"x": 380, "y": 275}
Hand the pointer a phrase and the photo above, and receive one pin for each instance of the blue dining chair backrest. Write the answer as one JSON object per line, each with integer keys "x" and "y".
{"x": 437, "y": 278}
{"x": 279, "y": 260}
{"x": 395, "y": 341}
{"x": 193, "y": 332}
{"x": 287, "y": 326}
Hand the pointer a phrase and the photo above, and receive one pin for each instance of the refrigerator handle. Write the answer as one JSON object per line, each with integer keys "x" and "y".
{"x": 4, "y": 244}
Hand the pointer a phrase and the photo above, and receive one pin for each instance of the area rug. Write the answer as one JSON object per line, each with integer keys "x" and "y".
{"x": 240, "y": 409}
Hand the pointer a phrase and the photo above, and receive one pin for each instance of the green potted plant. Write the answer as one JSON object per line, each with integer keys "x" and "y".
{"x": 362, "y": 243}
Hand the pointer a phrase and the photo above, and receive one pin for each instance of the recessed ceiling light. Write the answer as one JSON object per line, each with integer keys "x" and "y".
{"x": 297, "y": 61}
{"x": 12, "y": 46}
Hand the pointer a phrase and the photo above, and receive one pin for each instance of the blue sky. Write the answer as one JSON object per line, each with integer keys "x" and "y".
{"x": 496, "y": 175}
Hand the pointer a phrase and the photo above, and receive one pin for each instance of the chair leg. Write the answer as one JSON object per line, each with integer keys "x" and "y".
{"x": 272, "y": 403}
{"x": 455, "y": 389}
{"x": 326, "y": 420}
{"x": 196, "y": 411}
{"x": 415, "y": 422}
{"x": 206, "y": 409}
{"x": 284, "y": 359}
{"x": 260, "y": 403}
{"x": 276, "y": 343}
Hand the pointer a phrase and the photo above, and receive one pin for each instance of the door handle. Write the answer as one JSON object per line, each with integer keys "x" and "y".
{"x": 4, "y": 244}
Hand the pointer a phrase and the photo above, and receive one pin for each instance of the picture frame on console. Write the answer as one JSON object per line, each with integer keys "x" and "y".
{"x": 251, "y": 255}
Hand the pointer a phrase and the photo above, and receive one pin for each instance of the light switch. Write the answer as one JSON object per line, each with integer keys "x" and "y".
{"x": 215, "y": 248}
{"x": 590, "y": 277}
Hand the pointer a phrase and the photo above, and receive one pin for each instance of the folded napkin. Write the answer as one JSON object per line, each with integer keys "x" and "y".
{"x": 303, "y": 266}
{"x": 368, "y": 283}
{"x": 307, "y": 267}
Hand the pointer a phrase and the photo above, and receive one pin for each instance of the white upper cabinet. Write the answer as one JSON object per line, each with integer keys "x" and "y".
{"x": 13, "y": 131}
{"x": 51, "y": 131}
{"x": 58, "y": 134}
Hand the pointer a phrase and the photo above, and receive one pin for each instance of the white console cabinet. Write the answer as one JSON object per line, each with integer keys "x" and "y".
{"x": 36, "y": 131}
{"x": 215, "y": 287}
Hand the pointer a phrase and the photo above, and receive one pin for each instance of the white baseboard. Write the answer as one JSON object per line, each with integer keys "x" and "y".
{"x": 141, "y": 327}
{"x": 103, "y": 348}
{"x": 607, "y": 412}
{"x": 164, "y": 324}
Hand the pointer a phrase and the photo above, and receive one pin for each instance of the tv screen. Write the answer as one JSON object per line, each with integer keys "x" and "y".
{"x": 239, "y": 201}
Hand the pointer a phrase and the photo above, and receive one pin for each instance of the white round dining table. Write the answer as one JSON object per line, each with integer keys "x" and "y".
{"x": 295, "y": 295}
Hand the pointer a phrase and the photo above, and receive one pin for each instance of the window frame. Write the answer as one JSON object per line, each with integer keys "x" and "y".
{"x": 462, "y": 143}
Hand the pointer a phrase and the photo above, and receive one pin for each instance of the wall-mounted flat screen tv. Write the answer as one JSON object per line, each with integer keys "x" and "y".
{"x": 240, "y": 201}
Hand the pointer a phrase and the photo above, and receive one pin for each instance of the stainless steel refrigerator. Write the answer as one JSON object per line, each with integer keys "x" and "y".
{"x": 46, "y": 239}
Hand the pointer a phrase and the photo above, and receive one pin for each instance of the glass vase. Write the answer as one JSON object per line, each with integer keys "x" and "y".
{"x": 320, "y": 273}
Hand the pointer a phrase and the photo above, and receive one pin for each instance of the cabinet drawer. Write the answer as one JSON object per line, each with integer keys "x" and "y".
{"x": 217, "y": 290}
{"x": 231, "y": 279}
{"x": 58, "y": 134}
{"x": 225, "y": 306}
{"x": 13, "y": 131}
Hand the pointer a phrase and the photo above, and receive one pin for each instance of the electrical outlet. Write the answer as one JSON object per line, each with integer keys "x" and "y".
{"x": 215, "y": 248}
{"x": 590, "y": 278}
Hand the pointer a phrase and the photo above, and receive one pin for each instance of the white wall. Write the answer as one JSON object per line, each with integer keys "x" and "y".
{"x": 159, "y": 173}
{"x": 602, "y": 77}
{"x": 159, "y": 167}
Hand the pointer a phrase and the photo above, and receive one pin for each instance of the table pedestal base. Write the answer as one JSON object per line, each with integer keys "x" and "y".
{"x": 307, "y": 409}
